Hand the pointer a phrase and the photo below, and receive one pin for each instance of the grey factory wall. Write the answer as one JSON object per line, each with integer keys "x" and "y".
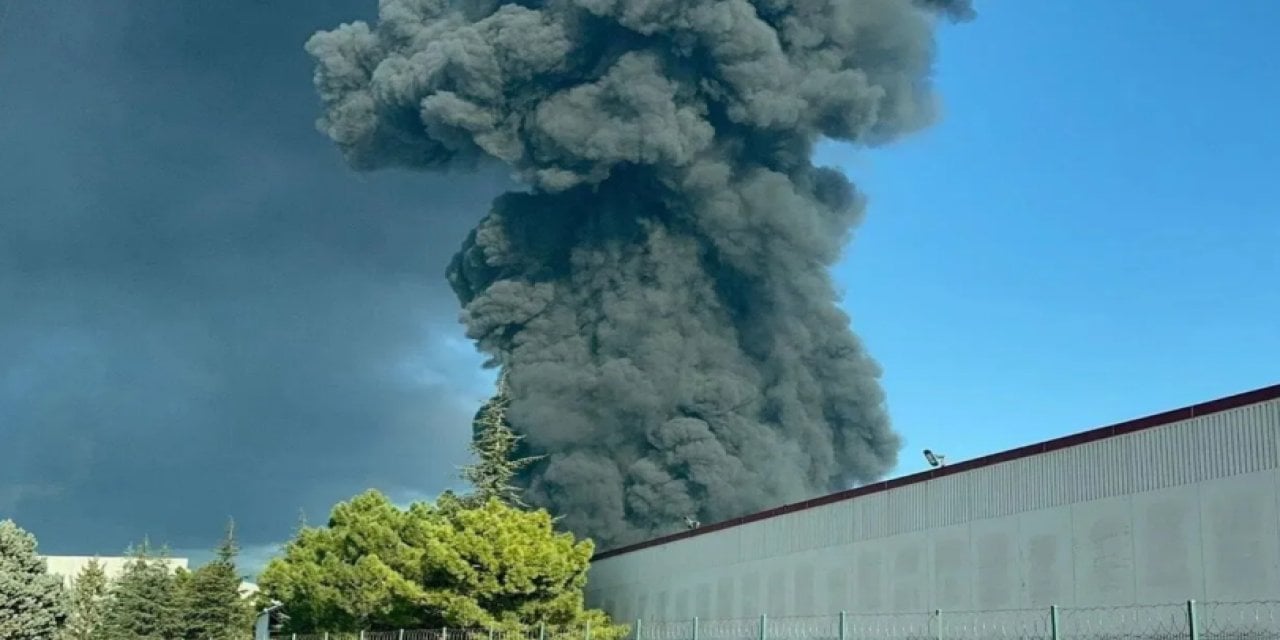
{"x": 1186, "y": 510}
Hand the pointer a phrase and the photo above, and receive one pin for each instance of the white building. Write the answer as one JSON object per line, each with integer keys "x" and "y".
{"x": 68, "y": 567}
{"x": 1177, "y": 506}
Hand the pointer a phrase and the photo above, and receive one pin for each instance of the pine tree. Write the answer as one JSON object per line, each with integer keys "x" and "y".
{"x": 212, "y": 605}
{"x": 379, "y": 567}
{"x": 493, "y": 446}
{"x": 89, "y": 602}
{"x": 32, "y": 602}
{"x": 144, "y": 600}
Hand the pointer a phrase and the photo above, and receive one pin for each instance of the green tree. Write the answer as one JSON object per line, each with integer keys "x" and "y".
{"x": 493, "y": 445}
{"x": 32, "y": 602}
{"x": 144, "y": 601}
{"x": 378, "y": 567}
{"x": 497, "y": 566}
{"x": 212, "y": 608}
{"x": 353, "y": 574}
{"x": 89, "y": 602}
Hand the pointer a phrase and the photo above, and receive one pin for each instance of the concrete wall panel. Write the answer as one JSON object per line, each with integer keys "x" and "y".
{"x": 750, "y": 594}
{"x": 1167, "y": 538}
{"x": 995, "y": 575}
{"x": 949, "y": 548}
{"x": 1048, "y": 564}
{"x": 778, "y": 601}
{"x": 1239, "y": 552}
{"x": 838, "y": 581}
{"x": 871, "y": 579}
{"x": 803, "y": 587}
{"x": 1102, "y": 542}
{"x": 908, "y": 557}
{"x": 726, "y": 597}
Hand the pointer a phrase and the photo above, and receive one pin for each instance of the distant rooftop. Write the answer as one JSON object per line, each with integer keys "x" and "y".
{"x": 68, "y": 567}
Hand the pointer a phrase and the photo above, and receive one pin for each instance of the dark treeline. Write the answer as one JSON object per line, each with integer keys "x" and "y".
{"x": 149, "y": 600}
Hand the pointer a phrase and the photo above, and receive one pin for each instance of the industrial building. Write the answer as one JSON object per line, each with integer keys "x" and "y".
{"x": 69, "y": 567}
{"x": 1183, "y": 505}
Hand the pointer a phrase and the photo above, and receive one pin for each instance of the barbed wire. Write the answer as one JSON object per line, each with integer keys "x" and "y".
{"x": 891, "y": 626}
{"x": 1150, "y": 621}
{"x": 1011, "y": 624}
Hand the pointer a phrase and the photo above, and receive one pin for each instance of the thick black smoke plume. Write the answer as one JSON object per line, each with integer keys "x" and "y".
{"x": 660, "y": 295}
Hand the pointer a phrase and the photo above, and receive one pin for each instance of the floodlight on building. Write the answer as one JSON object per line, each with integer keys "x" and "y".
{"x": 935, "y": 459}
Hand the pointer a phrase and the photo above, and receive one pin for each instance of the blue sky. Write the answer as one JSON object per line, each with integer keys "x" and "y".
{"x": 1088, "y": 235}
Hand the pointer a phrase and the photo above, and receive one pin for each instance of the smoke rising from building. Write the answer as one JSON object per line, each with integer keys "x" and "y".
{"x": 659, "y": 294}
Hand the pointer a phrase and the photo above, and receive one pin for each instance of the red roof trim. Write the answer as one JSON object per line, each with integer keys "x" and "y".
{"x": 1140, "y": 424}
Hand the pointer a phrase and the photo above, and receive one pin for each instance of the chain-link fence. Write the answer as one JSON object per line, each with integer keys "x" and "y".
{"x": 1184, "y": 621}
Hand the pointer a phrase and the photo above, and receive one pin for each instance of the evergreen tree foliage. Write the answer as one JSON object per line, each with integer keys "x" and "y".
{"x": 212, "y": 608}
{"x": 32, "y": 602}
{"x": 493, "y": 445}
{"x": 89, "y": 602}
{"x": 144, "y": 602}
{"x": 378, "y": 567}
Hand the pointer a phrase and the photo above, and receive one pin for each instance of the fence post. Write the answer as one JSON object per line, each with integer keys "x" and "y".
{"x": 695, "y": 628}
{"x": 586, "y": 633}
{"x": 844, "y": 617}
{"x": 639, "y": 627}
{"x": 490, "y": 633}
{"x": 1053, "y": 622}
{"x": 362, "y": 634}
{"x": 937, "y": 614}
{"x": 542, "y": 631}
{"x": 326, "y": 635}
{"x": 764, "y": 625}
{"x": 1192, "y": 624}
{"x": 402, "y": 634}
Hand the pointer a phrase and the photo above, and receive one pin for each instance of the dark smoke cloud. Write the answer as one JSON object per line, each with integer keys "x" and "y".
{"x": 203, "y": 312}
{"x": 660, "y": 295}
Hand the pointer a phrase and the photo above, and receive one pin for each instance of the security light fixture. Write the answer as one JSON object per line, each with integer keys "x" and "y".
{"x": 935, "y": 459}
{"x": 690, "y": 523}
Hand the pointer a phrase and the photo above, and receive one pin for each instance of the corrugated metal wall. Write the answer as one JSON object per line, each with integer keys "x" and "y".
{"x": 1186, "y": 510}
